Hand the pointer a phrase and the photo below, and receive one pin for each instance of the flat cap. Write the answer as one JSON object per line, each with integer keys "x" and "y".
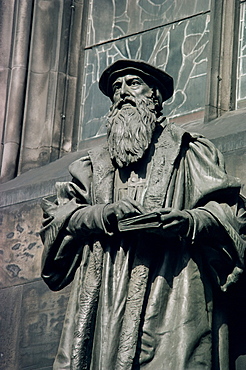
{"x": 149, "y": 73}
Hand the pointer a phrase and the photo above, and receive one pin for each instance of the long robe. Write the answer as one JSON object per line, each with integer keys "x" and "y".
{"x": 140, "y": 299}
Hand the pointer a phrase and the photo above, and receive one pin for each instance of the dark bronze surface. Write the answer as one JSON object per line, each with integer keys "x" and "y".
{"x": 157, "y": 297}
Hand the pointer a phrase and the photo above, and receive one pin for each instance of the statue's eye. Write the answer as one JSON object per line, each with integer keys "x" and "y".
{"x": 135, "y": 83}
{"x": 116, "y": 86}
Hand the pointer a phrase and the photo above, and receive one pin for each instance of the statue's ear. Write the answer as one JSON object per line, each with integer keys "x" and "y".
{"x": 158, "y": 99}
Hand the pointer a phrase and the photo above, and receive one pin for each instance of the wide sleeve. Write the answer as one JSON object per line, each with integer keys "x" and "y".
{"x": 218, "y": 212}
{"x": 63, "y": 246}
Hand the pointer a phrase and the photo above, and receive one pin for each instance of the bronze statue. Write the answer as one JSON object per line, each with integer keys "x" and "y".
{"x": 149, "y": 231}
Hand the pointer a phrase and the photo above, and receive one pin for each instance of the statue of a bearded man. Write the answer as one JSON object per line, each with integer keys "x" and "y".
{"x": 149, "y": 231}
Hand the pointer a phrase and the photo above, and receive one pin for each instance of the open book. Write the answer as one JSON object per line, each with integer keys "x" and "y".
{"x": 147, "y": 220}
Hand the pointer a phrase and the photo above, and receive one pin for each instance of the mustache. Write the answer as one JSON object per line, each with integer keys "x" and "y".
{"x": 126, "y": 100}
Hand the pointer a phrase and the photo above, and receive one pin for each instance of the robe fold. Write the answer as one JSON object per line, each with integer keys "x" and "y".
{"x": 139, "y": 299}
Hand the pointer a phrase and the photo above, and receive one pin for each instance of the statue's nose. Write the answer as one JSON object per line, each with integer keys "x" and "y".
{"x": 124, "y": 91}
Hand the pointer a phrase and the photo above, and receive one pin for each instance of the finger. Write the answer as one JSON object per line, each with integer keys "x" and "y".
{"x": 174, "y": 214}
{"x": 168, "y": 218}
{"x": 124, "y": 210}
{"x": 129, "y": 209}
{"x": 172, "y": 225}
{"x": 135, "y": 204}
{"x": 140, "y": 208}
{"x": 166, "y": 210}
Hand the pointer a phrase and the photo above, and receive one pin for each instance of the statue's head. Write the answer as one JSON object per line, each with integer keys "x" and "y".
{"x": 155, "y": 78}
{"x": 137, "y": 91}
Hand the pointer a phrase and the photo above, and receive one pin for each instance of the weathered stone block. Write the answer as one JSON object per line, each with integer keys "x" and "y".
{"x": 10, "y": 316}
{"x": 42, "y": 317}
{"x": 21, "y": 246}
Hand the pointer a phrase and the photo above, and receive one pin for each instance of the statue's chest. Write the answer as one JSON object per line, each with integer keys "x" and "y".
{"x": 134, "y": 187}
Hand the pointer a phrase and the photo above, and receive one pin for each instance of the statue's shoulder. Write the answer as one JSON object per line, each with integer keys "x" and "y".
{"x": 178, "y": 132}
{"x": 173, "y": 134}
{"x": 97, "y": 159}
{"x": 80, "y": 165}
{"x": 100, "y": 151}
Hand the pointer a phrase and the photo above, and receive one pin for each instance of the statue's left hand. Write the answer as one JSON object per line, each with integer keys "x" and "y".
{"x": 176, "y": 222}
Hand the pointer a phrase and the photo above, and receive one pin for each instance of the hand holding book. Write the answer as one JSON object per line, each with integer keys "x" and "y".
{"x": 171, "y": 221}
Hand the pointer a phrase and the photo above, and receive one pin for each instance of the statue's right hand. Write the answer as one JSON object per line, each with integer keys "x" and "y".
{"x": 116, "y": 211}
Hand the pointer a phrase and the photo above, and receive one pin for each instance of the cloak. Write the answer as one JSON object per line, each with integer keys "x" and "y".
{"x": 139, "y": 299}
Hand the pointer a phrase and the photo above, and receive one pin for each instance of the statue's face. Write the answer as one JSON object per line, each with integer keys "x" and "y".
{"x": 130, "y": 85}
{"x": 131, "y": 120}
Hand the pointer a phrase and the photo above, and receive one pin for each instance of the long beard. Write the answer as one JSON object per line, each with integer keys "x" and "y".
{"x": 130, "y": 127}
